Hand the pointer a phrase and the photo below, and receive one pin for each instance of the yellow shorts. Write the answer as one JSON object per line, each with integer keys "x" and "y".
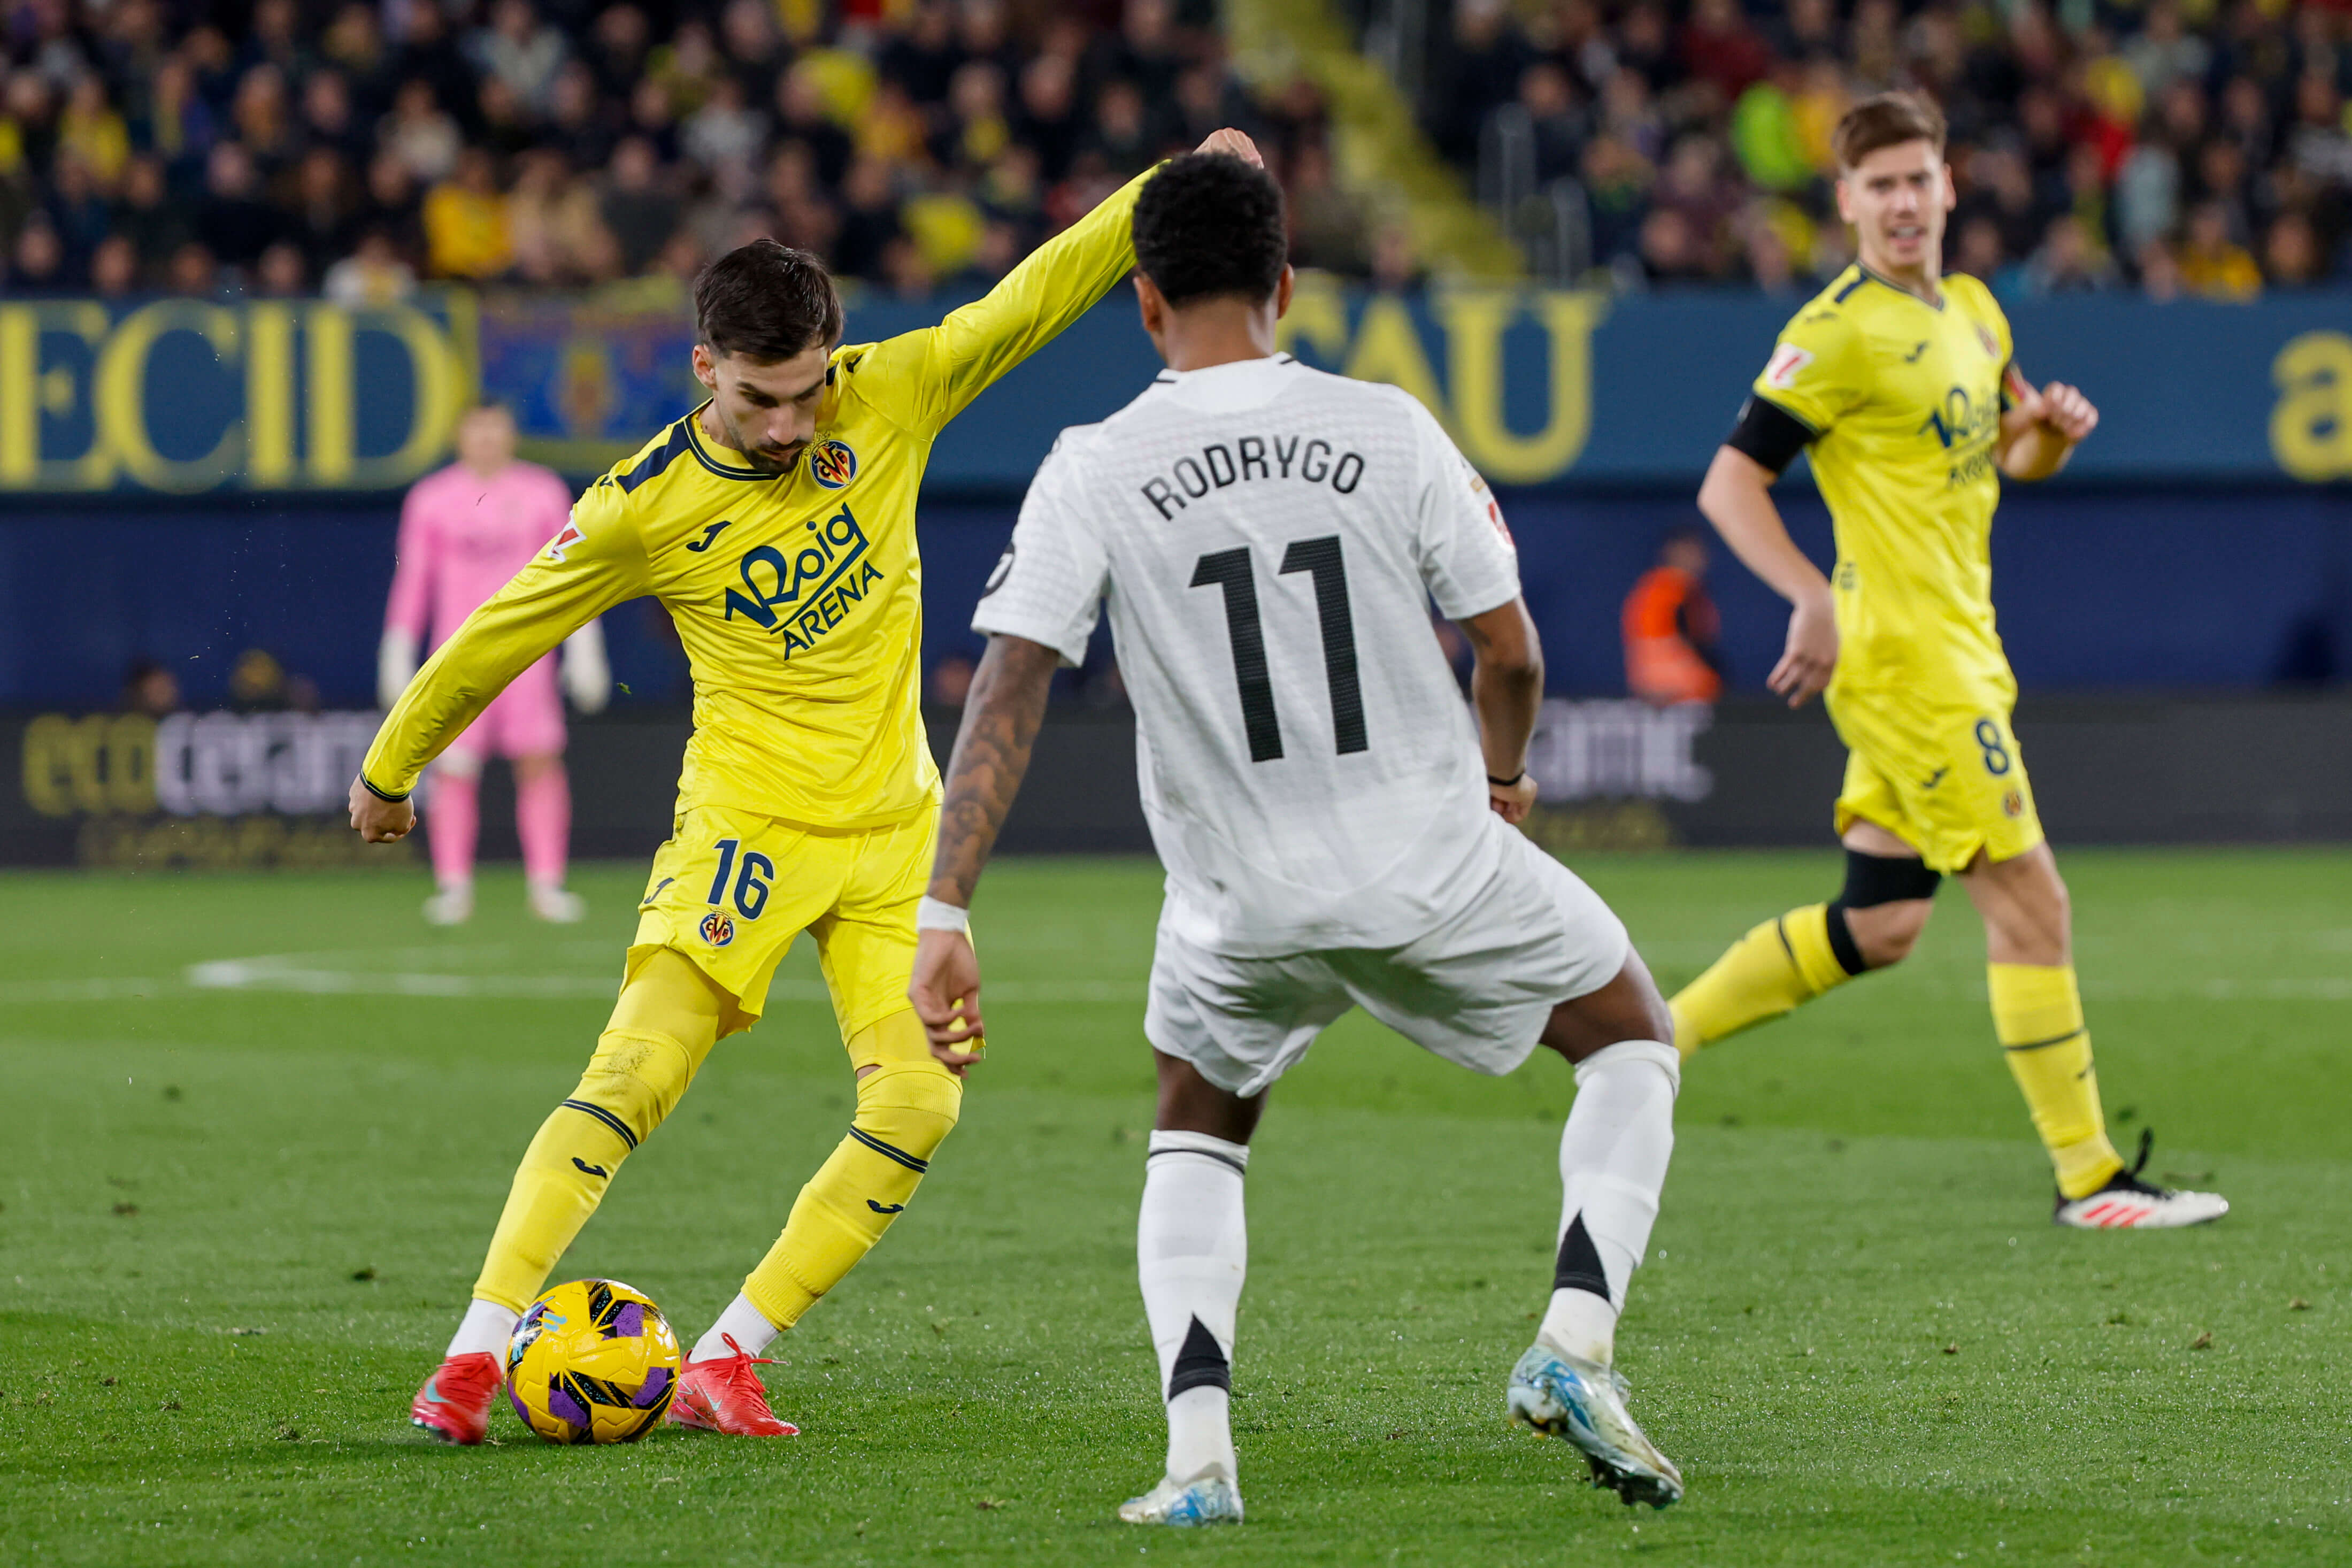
{"x": 1949, "y": 780}
{"x": 731, "y": 889}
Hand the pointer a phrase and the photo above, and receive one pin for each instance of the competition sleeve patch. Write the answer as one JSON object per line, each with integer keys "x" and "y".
{"x": 1788, "y": 359}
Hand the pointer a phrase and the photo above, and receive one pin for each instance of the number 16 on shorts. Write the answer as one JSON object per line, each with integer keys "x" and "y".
{"x": 742, "y": 879}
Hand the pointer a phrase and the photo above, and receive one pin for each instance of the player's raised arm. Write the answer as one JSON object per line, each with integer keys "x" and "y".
{"x": 1058, "y": 282}
{"x": 2040, "y": 430}
{"x": 596, "y": 562}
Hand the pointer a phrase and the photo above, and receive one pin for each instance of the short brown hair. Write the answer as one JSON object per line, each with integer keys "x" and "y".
{"x": 1888, "y": 120}
{"x": 767, "y": 302}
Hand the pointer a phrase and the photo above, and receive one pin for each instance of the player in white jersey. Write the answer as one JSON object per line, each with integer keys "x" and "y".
{"x": 1335, "y": 828}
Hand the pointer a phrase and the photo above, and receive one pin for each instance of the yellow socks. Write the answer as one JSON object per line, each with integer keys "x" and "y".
{"x": 906, "y": 1108}
{"x": 1770, "y": 971}
{"x": 664, "y": 1025}
{"x": 2037, "y": 1013}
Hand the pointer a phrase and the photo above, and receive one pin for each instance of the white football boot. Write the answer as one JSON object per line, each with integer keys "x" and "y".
{"x": 556, "y": 906}
{"x": 1568, "y": 1398}
{"x": 1204, "y": 1499}
{"x": 452, "y": 906}
{"x": 2127, "y": 1203}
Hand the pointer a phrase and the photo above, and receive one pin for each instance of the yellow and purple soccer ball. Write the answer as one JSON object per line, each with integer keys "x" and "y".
{"x": 592, "y": 1361}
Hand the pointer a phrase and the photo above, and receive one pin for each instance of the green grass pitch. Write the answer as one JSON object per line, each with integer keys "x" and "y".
{"x": 256, "y": 1131}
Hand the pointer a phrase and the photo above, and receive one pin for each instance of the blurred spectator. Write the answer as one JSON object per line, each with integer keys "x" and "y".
{"x": 150, "y": 687}
{"x": 193, "y": 271}
{"x": 114, "y": 268}
{"x": 639, "y": 213}
{"x": 520, "y": 50}
{"x": 372, "y": 275}
{"x": 233, "y": 221}
{"x": 466, "y": 230}
{"x": 257, "y": 683}
{"x": 1671, "y": 631}
{"x": 38, "y": 264}
{"x": 2068, "y": 261}
{"x": 425, "y": 140}
{"x": 281, "y": 272}
{"x": 1327, "y": 230}
{"x": 2291, "y": 256}
{"x": 2211, "y": 265}
{"x": 1549, "y": 95}
{"x": 325, "y": 208}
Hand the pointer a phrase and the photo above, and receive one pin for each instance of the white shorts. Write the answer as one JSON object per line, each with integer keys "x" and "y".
{"x": 1478, "y": 989}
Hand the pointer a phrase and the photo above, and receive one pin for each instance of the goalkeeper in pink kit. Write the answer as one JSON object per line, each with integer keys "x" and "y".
{"x": 464, "y": 532}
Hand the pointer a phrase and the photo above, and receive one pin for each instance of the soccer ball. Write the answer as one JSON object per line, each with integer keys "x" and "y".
{"x": 592, "y": 1361}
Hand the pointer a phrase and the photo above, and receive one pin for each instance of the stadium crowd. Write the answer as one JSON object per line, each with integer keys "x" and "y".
{"x": 354, "y": 147}
{"x": 2184, "y": 147}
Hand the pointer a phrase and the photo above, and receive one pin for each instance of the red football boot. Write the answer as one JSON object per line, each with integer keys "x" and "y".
{"x": 723, "y": 1394}
{"x": 455, "y": 1403}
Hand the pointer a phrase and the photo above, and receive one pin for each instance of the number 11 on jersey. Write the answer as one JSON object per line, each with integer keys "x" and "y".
{"x": 1231, "y": 570}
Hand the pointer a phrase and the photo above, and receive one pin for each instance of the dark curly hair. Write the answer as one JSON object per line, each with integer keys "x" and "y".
{"x": 767, "y": 302}
{"x": 1209, "y": 224}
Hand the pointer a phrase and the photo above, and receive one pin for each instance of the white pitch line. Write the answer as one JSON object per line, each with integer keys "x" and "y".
{"x": 113, "y": 990}
{"x": 295, "y": 973}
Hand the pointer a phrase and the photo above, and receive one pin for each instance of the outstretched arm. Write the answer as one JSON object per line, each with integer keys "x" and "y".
{"x": 1736, "y": 498}
{"x": 2040, "y": 430}
{"x": 1058, "y": 282}
{"x": 597, "y": 560}
{"x": 1001, "y": 715}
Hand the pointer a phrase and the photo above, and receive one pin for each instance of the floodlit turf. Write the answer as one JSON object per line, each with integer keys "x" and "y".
{"x": 238, "y": 1219}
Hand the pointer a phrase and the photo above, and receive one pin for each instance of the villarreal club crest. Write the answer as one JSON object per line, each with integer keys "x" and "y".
{"x": 592, "y": 1361}
{"x": 832, "y": 463}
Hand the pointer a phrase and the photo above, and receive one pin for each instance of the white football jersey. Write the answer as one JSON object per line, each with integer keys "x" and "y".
{"x": 1268, "y": 539}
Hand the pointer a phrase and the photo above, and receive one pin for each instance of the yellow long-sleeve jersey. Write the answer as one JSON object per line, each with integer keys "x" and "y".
{"x": 798, "y": 596}
{"x": 1903, "y": 401}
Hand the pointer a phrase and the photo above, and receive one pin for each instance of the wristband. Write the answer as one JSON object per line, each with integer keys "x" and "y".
{"x": 383, "y": 794}
{"x": 1506, "y": 783}
{"x": 937, "y": 914}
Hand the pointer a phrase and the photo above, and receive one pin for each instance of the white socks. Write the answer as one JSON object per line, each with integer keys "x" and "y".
{"x": 1613, "y": 1161}
{"x": 487, "y": 1326}
{"x": 1192, "y": 1247}
{"x": 484, "y": 1329}
{"x": 750, "y": 1327}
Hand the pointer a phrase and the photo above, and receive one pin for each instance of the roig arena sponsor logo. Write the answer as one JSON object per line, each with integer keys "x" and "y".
{"x": 815, "y": 584}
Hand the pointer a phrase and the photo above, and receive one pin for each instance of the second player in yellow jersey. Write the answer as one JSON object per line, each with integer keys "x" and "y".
{"x": 1900, "y": 383}
{"x": 1902, "y": 401}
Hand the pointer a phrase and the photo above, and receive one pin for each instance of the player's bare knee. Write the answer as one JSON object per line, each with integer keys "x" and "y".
{"x": 1628, "y": 1008}
{"x": 1189, "y": 1102}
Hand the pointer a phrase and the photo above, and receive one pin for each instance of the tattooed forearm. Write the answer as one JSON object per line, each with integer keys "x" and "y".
{"x": 1001, "y": 716}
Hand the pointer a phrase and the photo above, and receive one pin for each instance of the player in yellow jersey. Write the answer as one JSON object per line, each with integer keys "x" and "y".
{"x": 776, "y": 523}
{"x": 1900, "y": 383}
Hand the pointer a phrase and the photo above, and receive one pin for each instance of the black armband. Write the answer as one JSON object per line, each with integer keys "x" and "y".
{"x": 1768, "y": 433}
{"x": 382, "y": 793}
